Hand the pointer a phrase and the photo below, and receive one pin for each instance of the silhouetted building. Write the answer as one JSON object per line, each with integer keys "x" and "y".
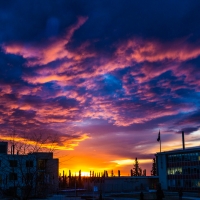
{"x": 179, "y": 169}
{"x": 3, "y": 147}
{"x": 33, "y": 171}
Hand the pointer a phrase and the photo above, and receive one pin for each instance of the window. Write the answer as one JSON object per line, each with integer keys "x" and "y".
{"x": 169, "y": 158}
{"x": 198, "y": 183}
{"x": 13, "y": 176}
{"x": 177, "y": 171}
{"x": 29, "y": 163}
{"x": 41, "y": 178}
{"x": 178, "y": 158}
{"x": 169, "y": 171}
{"x": 193, "y": 157}
{"x": 177, "y": 183}
{"x": 13, "y": 163}
{"x": 41, "y": 164}
{"x": 1, "y": 180}
{"x": 189, "y": 159}
{"x": 29, "y": 176}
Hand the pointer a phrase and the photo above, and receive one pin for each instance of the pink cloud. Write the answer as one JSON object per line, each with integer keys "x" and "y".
{"x": 153, "y": 51}
{"x": 5, "y": 89}
{"x": 55, "y": 49}
{"x": 73, "y": 68}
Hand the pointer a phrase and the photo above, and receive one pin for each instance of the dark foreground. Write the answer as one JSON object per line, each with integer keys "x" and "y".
{"x": 128, "y": 196}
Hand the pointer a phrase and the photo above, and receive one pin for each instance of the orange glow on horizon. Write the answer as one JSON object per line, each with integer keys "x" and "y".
{"x": 98, "y": 160}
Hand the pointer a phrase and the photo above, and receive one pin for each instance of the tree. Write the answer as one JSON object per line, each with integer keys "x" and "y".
{"x": 154, "y": 168}
{"x": 137, "y": 171}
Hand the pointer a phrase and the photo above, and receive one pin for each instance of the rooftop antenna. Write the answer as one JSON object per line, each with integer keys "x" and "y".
{"x": 183, "y": 140}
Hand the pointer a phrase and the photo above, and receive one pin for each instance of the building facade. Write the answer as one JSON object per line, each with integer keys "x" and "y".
{"x": 29, "y": 174}
{"x": 179, "y": 169}
{"x": 121, "y": 184}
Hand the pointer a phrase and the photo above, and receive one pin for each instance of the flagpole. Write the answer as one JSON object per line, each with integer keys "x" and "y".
{"x": 160, "y": 144}
{"x": 159, "y": 139}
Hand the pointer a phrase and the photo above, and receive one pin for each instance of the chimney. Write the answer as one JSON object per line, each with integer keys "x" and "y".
{"x": 183, "y": 140}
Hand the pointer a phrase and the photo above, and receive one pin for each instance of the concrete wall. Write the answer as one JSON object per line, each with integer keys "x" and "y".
{"x": 122, "y": 184}
{"x": 127, "y": 184}
{"x": 53, "y": 171}
{"x": 162, "y": 170}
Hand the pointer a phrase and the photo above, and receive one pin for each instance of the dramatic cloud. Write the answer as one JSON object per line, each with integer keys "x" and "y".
{"x": 100, "y": 78}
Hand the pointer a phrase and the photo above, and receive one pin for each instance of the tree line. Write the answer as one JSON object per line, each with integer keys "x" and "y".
{"x": 137, "y": 170}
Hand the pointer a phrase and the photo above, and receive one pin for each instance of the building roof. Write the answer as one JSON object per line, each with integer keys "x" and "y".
{"x": 186, "y": 150}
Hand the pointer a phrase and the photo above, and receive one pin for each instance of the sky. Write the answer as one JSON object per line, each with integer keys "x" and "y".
{"x": 101, "y": 78}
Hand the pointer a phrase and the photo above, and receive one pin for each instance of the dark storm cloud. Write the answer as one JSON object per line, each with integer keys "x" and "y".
{"x": 66, "y": 103}
{"x": 189, "y": 130}
{"x": 108, "y": 21}
{"x": 121, "y": 20}
{"x": 192, "y": 118}
{"x": 24, "y": 114}
{"x": 11, "y": 67}
{"x": 35, "y": 20}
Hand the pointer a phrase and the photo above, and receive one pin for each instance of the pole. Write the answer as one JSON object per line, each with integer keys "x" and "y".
{"x": 160, "y": 143}
{"x": 183, "y": 140}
